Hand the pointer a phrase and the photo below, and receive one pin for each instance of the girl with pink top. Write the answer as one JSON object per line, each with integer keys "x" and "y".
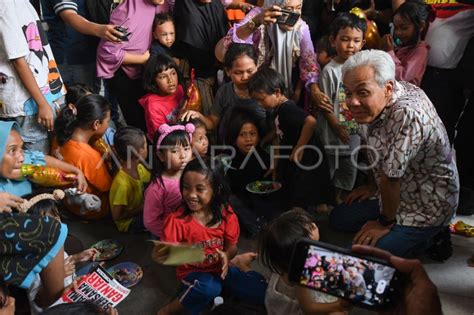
{"x": 411, "y": 54}
{"x": 172, "y": 151}
{"x": 165, "y": 95}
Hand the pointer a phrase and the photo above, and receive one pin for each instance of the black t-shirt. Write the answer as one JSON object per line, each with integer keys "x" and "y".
{"x": 289, "y": 121}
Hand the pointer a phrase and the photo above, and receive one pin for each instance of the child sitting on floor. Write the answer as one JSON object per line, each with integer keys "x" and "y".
{"x": 126, "y": 192}
{"x": 275, "y": 247}
{"x": 305, "y": 175}
{"x": 207, "y": 220}
{"x": 171, "y": 152}
{"x": 77, "y": 126}
{"x": 250, "y": 164}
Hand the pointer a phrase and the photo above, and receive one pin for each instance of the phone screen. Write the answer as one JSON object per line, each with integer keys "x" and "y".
{"x": 345, "y": 276}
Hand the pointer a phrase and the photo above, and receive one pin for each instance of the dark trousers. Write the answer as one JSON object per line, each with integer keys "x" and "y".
{"x": 127, "y": 92}
{"x": 403, "y": 241}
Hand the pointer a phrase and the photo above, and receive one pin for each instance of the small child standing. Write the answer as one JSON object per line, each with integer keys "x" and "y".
{"x": 207, "y": 220}
{"x": 305, "y": 175}
{"x": 164, "y": 35}
{"x": 126, "y": 192}
{"x": 30, "y": 83}
{"x": 172, "y": 151}
{"x": 325, "y": 51}
{"x": 275, "y": 247}
{"x": 165, "y": 94}
{"x": 337, "y": 129}
{"x": 411, "y": 55}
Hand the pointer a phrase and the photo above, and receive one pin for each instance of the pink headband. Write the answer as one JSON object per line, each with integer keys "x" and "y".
{"x": 166, "y": 129}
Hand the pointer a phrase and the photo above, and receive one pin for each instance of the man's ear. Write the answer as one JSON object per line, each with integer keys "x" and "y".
{"x": 388, "y": 88}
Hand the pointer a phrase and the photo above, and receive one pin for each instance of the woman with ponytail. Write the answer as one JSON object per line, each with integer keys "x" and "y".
{"x": 77, "y": 126}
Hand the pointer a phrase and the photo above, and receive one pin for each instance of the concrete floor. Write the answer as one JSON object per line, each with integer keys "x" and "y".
{"x": 454, "y": 279}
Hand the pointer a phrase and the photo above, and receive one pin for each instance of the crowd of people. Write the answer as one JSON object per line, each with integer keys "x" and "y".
{"x": 163, "y": 112}
{"x": 350, "y": 277}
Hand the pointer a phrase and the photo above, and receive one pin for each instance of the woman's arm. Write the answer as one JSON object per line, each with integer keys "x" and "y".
{"x": 68, "y": 168}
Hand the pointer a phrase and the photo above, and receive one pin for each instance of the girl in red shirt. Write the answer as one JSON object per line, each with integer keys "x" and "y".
{"x": 206, "y": 220}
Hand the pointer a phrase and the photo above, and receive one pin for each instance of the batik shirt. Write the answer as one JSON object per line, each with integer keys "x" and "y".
{"x": 408, "y": 141}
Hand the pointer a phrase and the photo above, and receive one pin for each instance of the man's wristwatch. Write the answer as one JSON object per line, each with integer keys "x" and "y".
{"x": 383, "y": 220}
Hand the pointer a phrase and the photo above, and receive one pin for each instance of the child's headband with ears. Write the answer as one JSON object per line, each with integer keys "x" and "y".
{"x": 56, "y": 195}
{"x": 166, "y": 129}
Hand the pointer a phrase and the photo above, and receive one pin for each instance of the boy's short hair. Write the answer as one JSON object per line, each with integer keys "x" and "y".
{"x": 267, "y": 80}
{"x": 323, "y": 44}
{"x": 127, "y": 137}
{"x": 344, "y": 20}
{"x": 162, "y": 18}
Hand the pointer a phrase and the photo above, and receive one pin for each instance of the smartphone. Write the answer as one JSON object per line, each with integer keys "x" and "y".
{"x": 288, "y": 17}
{"x": 366, "y": 281}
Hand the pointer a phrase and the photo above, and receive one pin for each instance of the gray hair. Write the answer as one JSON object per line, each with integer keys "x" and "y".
{"x": 380, "y": 61}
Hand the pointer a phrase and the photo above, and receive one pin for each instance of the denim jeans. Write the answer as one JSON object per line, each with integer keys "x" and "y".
{"x": 403, "y": 241}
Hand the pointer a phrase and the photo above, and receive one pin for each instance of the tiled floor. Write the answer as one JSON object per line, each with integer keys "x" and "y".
{"x": 454, "y": 279}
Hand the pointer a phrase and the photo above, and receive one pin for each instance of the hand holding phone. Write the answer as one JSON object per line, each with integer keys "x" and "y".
{"x": 288, "y": 17}
{"x": 366, "y": 281}
{"x": 418, "y": 295}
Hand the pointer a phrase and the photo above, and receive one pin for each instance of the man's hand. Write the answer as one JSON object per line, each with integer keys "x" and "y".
{"x": 370, "y": 233}
{"x": 418, "y": 294}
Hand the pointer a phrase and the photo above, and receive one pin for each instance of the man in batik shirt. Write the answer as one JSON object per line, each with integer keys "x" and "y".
{"x": 410, "y": 157}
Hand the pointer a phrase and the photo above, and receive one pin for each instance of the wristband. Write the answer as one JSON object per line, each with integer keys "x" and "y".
{"x": 383, "y": 220}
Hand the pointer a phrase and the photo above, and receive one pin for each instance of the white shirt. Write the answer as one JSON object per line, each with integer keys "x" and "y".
{"x": 21, "y": 35}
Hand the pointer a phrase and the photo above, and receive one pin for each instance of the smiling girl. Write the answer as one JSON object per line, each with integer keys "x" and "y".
{"x": 207, "y": 220}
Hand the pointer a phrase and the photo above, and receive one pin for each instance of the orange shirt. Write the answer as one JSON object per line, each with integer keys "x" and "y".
{"x": 89, "y": 161}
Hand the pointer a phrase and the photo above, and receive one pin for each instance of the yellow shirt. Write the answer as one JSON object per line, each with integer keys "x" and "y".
{"x": 128, "y": 191}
